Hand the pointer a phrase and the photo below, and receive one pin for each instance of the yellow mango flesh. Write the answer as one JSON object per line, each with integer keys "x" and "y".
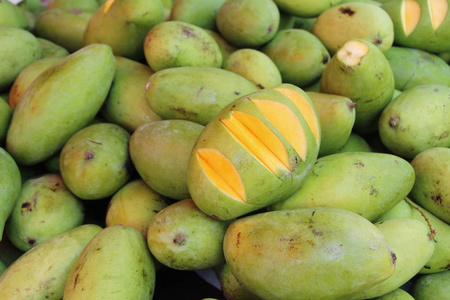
{"x": 438, "y": 10}
{"x": 410, "y": 15}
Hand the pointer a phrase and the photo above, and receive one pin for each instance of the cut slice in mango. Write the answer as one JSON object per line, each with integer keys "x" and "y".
{"x": 107, "y": 6}
{"x": 438, "y": 11}
{"x": 261, "y": 142}
{"x": 221, "y": 171}
{"x": 410, "y": 15}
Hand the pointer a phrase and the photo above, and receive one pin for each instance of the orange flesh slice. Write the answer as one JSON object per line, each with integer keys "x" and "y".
{"x": 410, "y": 15}
{"x": 438, "y": 11}
{"x": 107, "y": 6}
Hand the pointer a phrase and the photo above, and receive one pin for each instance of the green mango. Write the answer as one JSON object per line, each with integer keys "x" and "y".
{"x": 231, "y": 288}
{"x": 205, "y": 91}
{"x": 174, "y": 44}
{"x": 355, "y": 143}
{"x": 19, "y": 49}
{"x": 126, "y": 104}
{"x": 123, "y": 25}
{"x": 248, "y": 23}
{"x": 305, "y": 8}
{"x": 53, "y": 108}
{"x": 160, "y": 152}
{"x": 63, "y": 26}
{"x": 10, "y": 186}
{"x": 182, "y": 237}
{"x": 86, "y": 5}
{"x": 413, "y": 246}
{"x": 337, "y": 116}
{"x": 224, "y": 46}
{"x": 356, "y": 181}
{"x": 398, "y": 294}
{"x": 287, "y": 21}
{"x": 356, "y": 20}
{"x": 115, "y": 264}
{"x": 299, "y": 55}
{"x": 413, "y": 67}
{"x": 313, "y": 253}
{"x": 432, "y": 286}
{"x": 361, "y": 72}
{"x": 399, "y": 128}
{"x": 304, "y": 23}
{"x": 431, "y": 189}
{"x": 42, "y": 273}
{"x": 27, "y": 76}
{"x": 440, "y": 261}
{"x": 201, "y": 13}
{"x": 50, "y": 49}
{"x": 95, "y": 162}
{"x": 12, "y": 15}
{"x": 5, "y": 119}
{"x": 255, "y": 66}
{"x": 44, "y": 209}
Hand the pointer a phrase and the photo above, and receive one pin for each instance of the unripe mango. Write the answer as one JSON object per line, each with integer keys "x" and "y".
{"x": 225, "y": 47}
{"x": 50, "y": 49}
{"x": 398, "y": 294}
{"x": 432, "y": 286}
{"x": 355, "y": 143}
{"x": 12, "y": 15}
{"x": 200, "y": 13}
{"x": 88, "y": 5}
{"x": 231, "y": 288}
{"x": 5, "y": 119}
{"x": 303, "y": 254}
{"x": 305, "y": 8}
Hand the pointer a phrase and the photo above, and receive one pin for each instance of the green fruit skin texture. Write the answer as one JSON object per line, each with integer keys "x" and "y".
{"x": 174, "y": 44}
{"x": 299, "y": 55}
{"x": 50, "y": 49}
{"x": 19, "y": 49}
{"x": 115, "y": 264}
{"x": 413, "y": 67}
{"x": 95, "y": 161}
{"x": 355, "y": 143}
{"x": 5, "y": 119}
{"x": 410, "y": 242}
{"x": 416, "y": 120}
{"x": 366, "y": 183}
{"x": 431, "y": 189}
{"x": 231, "y": 288}
{"x": 125, "y": 20}
{"x": 333, "y": 248}
{"x": 44, "y": 209}
{"x": 432, "y": 286}
{"x": 440, "y": 261}
{"x": 12, "y": 15}
{"x": 59, "y": 102}
{"x": 63, "y": 26}
{"x": 10, "y": 186}
{"x": 182, "y": 237}
{"x": 126, "y": 104}
{"x": 195, "y": 94}
{"x": 397, "y": 294}
{"x": 88, "y": 5}
{"x": 200, "y": 13}
{"x": 160, "y": 152}
{"x": 225, "y": 47}
{"x": 305, "y": 8}
{"x": 370, "y": 84}
{"x": 43, "y": 271}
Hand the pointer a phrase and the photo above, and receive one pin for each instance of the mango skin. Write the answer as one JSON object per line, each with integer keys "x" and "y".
{"x": 199, "y": 13}
{"x": 432, "y": 286}
{"x": 88, "y": 5}
{"x": 206, "y": 91}
{"x": 360, "y": 183}
{"x": 322, "y": 242}
{"x": 355, "y": 143}
{"x": 397, "y": 294}
{"x": 114, "y": 260}
{"x": 231, "y": 288}
{"x": 306, "y": 9}
{"x": 46, "y": 107}
{"x": 20, "y": 48}
{"x": 12, "y": 15}
{"x": 224, "y": 46}
{"x": 43, "y": 271}
{"x": 5, "y": 119}
{"x": 10, "y": 186}
{"x": 94, "y": 162}
{"x": 50, "y": 49}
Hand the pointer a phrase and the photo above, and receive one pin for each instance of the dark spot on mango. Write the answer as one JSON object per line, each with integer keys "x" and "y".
{"x": 373, "y": 191}
{"x": 95, "y": 142}
{"x": 179, "y": 239}
{"x": 347, "y": 11}
{"x": 237, "y": 94}
{"x": 76, "y": 11}
{"x": 188, "y": 32}
{"x": 270, "y": 28}
{"x": 317, "y": 233}
{"x": 238, "y": 239}
{"x": 31, "y": 241}
{"x": 313, "y": 213}
{"x": 89, "y": 155}
{"x": 394, "y": 121}
{"x": 378, "y": 41}
{"x": 325, "y": 59}
{"x": 427, "y": 267}
{"x": 443, "y": 135}
{"x": 26, "y": 206}
{"x": 393, "y": 257}
{"x": 75, "y": 282}
{"x": 259, "y": 85}
{"x": 437, "y": 199}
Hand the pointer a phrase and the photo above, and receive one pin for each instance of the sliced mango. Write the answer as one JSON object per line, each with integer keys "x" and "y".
{"x": 222, "y": 172}
{"x": 108, "y": 5}
{"x": 438, "y": 11}
{"x": 410, "y": 15}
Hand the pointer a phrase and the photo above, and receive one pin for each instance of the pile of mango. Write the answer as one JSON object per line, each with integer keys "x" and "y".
{"x": 300, "y": 149}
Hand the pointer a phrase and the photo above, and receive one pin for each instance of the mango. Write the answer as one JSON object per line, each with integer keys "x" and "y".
{"x": 231, "y": 288}
{"x": 398, "y": 294}
{"x": 200, "y": 13}
{"x": 361, "y": 72}
{"x": 255, "y": 152}
{"x": 224, "y": 46}
{"x": 324, "y": 243}
{"x": 126, "y": 104}
{"x": 420, "y": 24}
{"x": 43, "y": 271}
{"x": 357, "y": 20}
{"x": 86, "y": 5}
{"x": 44, "y": 209}
{"x": 95, "y": 161}
{"x": 413, "y": 67}
{"x": 336, "y": 116}
{"x": 432, "y": 286}
{"x": 255, "y": 66}
{"x": 366, "y": 183}
{"x": 63, "y": 26}
{"x": 59, "y": 112}
{"x": 248, "y": 23}
{"x": 50, "y": 49}
{"x": 306, "y": 9}
{"x": 440, "y": 261}
{"x": 135, "y": 204}
{"x": 410, "y": 125}
{"x": 299, "y": 55}
{"x": 160, "y": 152}
{"x": 19, "y": 49}
{"x": 413, "y": 245}
{"x": 12, "y": 15}
{"x": 179, "y": 44}
{"x": 5, "y": 119}
{"x": 115, "y": 264}
{"x": 206, "y": 90}
{"x": 355, "y": 143}
{"x": 287, "y": 21}
{"x": 10, "y": 186}
{"x": 304, "y": 23}
{"x": 431, "y": 189}
{"x": 123, "y": 25}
